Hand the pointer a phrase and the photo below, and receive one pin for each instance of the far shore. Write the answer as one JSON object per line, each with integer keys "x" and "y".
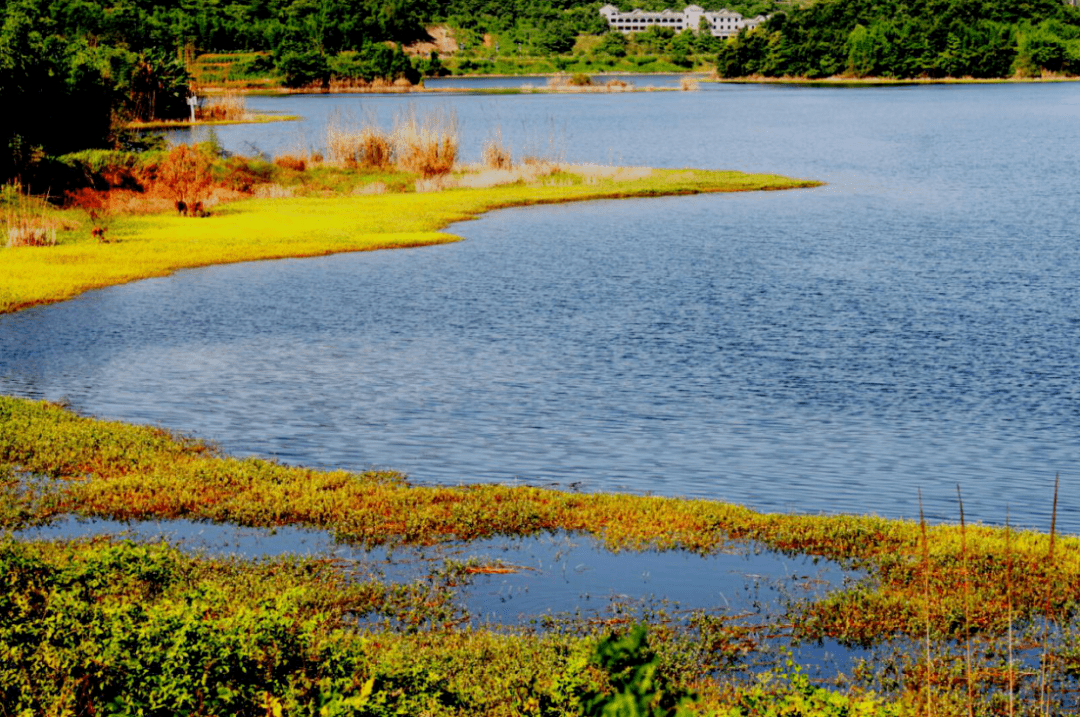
{"x": 697, "y": 76}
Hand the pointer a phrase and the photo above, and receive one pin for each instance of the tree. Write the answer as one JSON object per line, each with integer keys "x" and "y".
{"x": 613, "y": 43}
{"x": 556, "y": 40}
{"x": 304, "y": 67}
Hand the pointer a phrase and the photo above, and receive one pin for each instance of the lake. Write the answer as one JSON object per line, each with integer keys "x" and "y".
{"x": 914, "y": 324}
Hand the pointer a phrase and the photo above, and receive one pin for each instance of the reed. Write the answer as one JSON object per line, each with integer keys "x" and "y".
{"x": 926, "y": 604}
{"x": 1044, "y": 681}
{"x": 967, "y": 607}
{"x": 25, "y": 220}
{"x": 689, "y": 84}
{"x": 427, "y": 146}
{"x": 496, "y": 155}
{"x": 1009, "y": 612}
{"x": 351, "y": 145}
{"x": 228, "y": 106}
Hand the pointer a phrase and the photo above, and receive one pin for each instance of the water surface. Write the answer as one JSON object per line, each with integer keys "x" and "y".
{"x": 913, "y": 324}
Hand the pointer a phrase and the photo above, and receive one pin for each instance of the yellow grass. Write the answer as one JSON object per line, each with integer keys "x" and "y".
{"x": 270, "y": 228}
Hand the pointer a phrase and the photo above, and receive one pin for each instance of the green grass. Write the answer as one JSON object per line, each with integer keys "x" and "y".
{"x": 155, "y": 245}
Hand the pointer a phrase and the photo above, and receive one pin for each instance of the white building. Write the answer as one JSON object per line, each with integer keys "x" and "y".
{"x": 723, "y": 23}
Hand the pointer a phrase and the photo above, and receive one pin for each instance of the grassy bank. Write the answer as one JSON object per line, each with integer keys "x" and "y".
{"x": 181, "y": 124}
{"x": 142, "y": 246}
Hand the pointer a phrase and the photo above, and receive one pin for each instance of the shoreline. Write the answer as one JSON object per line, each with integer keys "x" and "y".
{"x": 250, "y": 229}
{"x": 704, "y": 76}
{"x": 181, "y": 124}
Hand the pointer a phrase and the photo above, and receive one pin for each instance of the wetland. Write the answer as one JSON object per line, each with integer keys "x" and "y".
{"x": 777, "y": 375}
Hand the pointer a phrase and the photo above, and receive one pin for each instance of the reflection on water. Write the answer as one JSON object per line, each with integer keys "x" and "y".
{"x": 913, "y": 324}
{"x": 555, "y": 574}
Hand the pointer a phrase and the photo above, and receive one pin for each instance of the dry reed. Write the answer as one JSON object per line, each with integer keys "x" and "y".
{"x": 926, "y": 604}
{"x": 1044, "y": 684}
{"x": 30, "y": 235}
{"x": 350, "y": 145}
{"x": 496, "y": 154}
{"x": 967, "y": 607}
{"x": 428, "y": 147}
{"x": 689, "y": 84}
{"x": 25, "y": 220}
{"x": 229, "y": 105}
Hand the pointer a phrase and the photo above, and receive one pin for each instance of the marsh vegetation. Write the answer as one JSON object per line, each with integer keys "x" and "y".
{"x": 953, "y": 619}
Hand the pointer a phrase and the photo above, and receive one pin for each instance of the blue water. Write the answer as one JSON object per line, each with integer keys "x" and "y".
{"x": 911, "y": 325}
{"x": 552, "y": 574}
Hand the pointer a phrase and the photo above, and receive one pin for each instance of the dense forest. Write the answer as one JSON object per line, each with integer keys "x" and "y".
{"x": 911, "y": 38}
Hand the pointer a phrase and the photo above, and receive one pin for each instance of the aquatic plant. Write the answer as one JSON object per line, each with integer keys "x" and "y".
{"x": 229, "y": 105}
{"x": 426, "y": 146}
{"x": 496, "y": 155}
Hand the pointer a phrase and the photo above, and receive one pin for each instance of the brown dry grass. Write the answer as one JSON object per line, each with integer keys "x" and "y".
{"x": 496, "y": 154}
{"x": 28, "y": 221}
{"x": 362, "y": 86}
{"x": 291, "y": 161}
{"x": 274, "y": 191}
{"x": 592, "y": 173}
{"x": 583, "y": 83}
{"x": 126, "y": 201}
{"x": 351, "y": 145}
{"x": 229, "y": 105}
{"x": 427, "y": 147}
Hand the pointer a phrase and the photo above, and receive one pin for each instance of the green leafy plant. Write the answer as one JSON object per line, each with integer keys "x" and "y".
{"x": 639, "y": 687}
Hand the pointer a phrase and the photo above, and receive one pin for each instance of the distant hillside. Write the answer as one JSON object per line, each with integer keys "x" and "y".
{"x": 911, "y": 38}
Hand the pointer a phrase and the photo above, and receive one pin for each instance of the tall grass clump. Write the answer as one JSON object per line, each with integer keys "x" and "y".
{"x": 24, "y": 220}
{"x": 228, "y": 106}
{"x": 427, "y": 147}
{"x": 496, "y": 155}
{"x": 349, "y": 145}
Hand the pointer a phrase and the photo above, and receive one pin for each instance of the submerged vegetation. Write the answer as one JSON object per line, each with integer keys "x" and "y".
{"x": 926, "y": 595}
